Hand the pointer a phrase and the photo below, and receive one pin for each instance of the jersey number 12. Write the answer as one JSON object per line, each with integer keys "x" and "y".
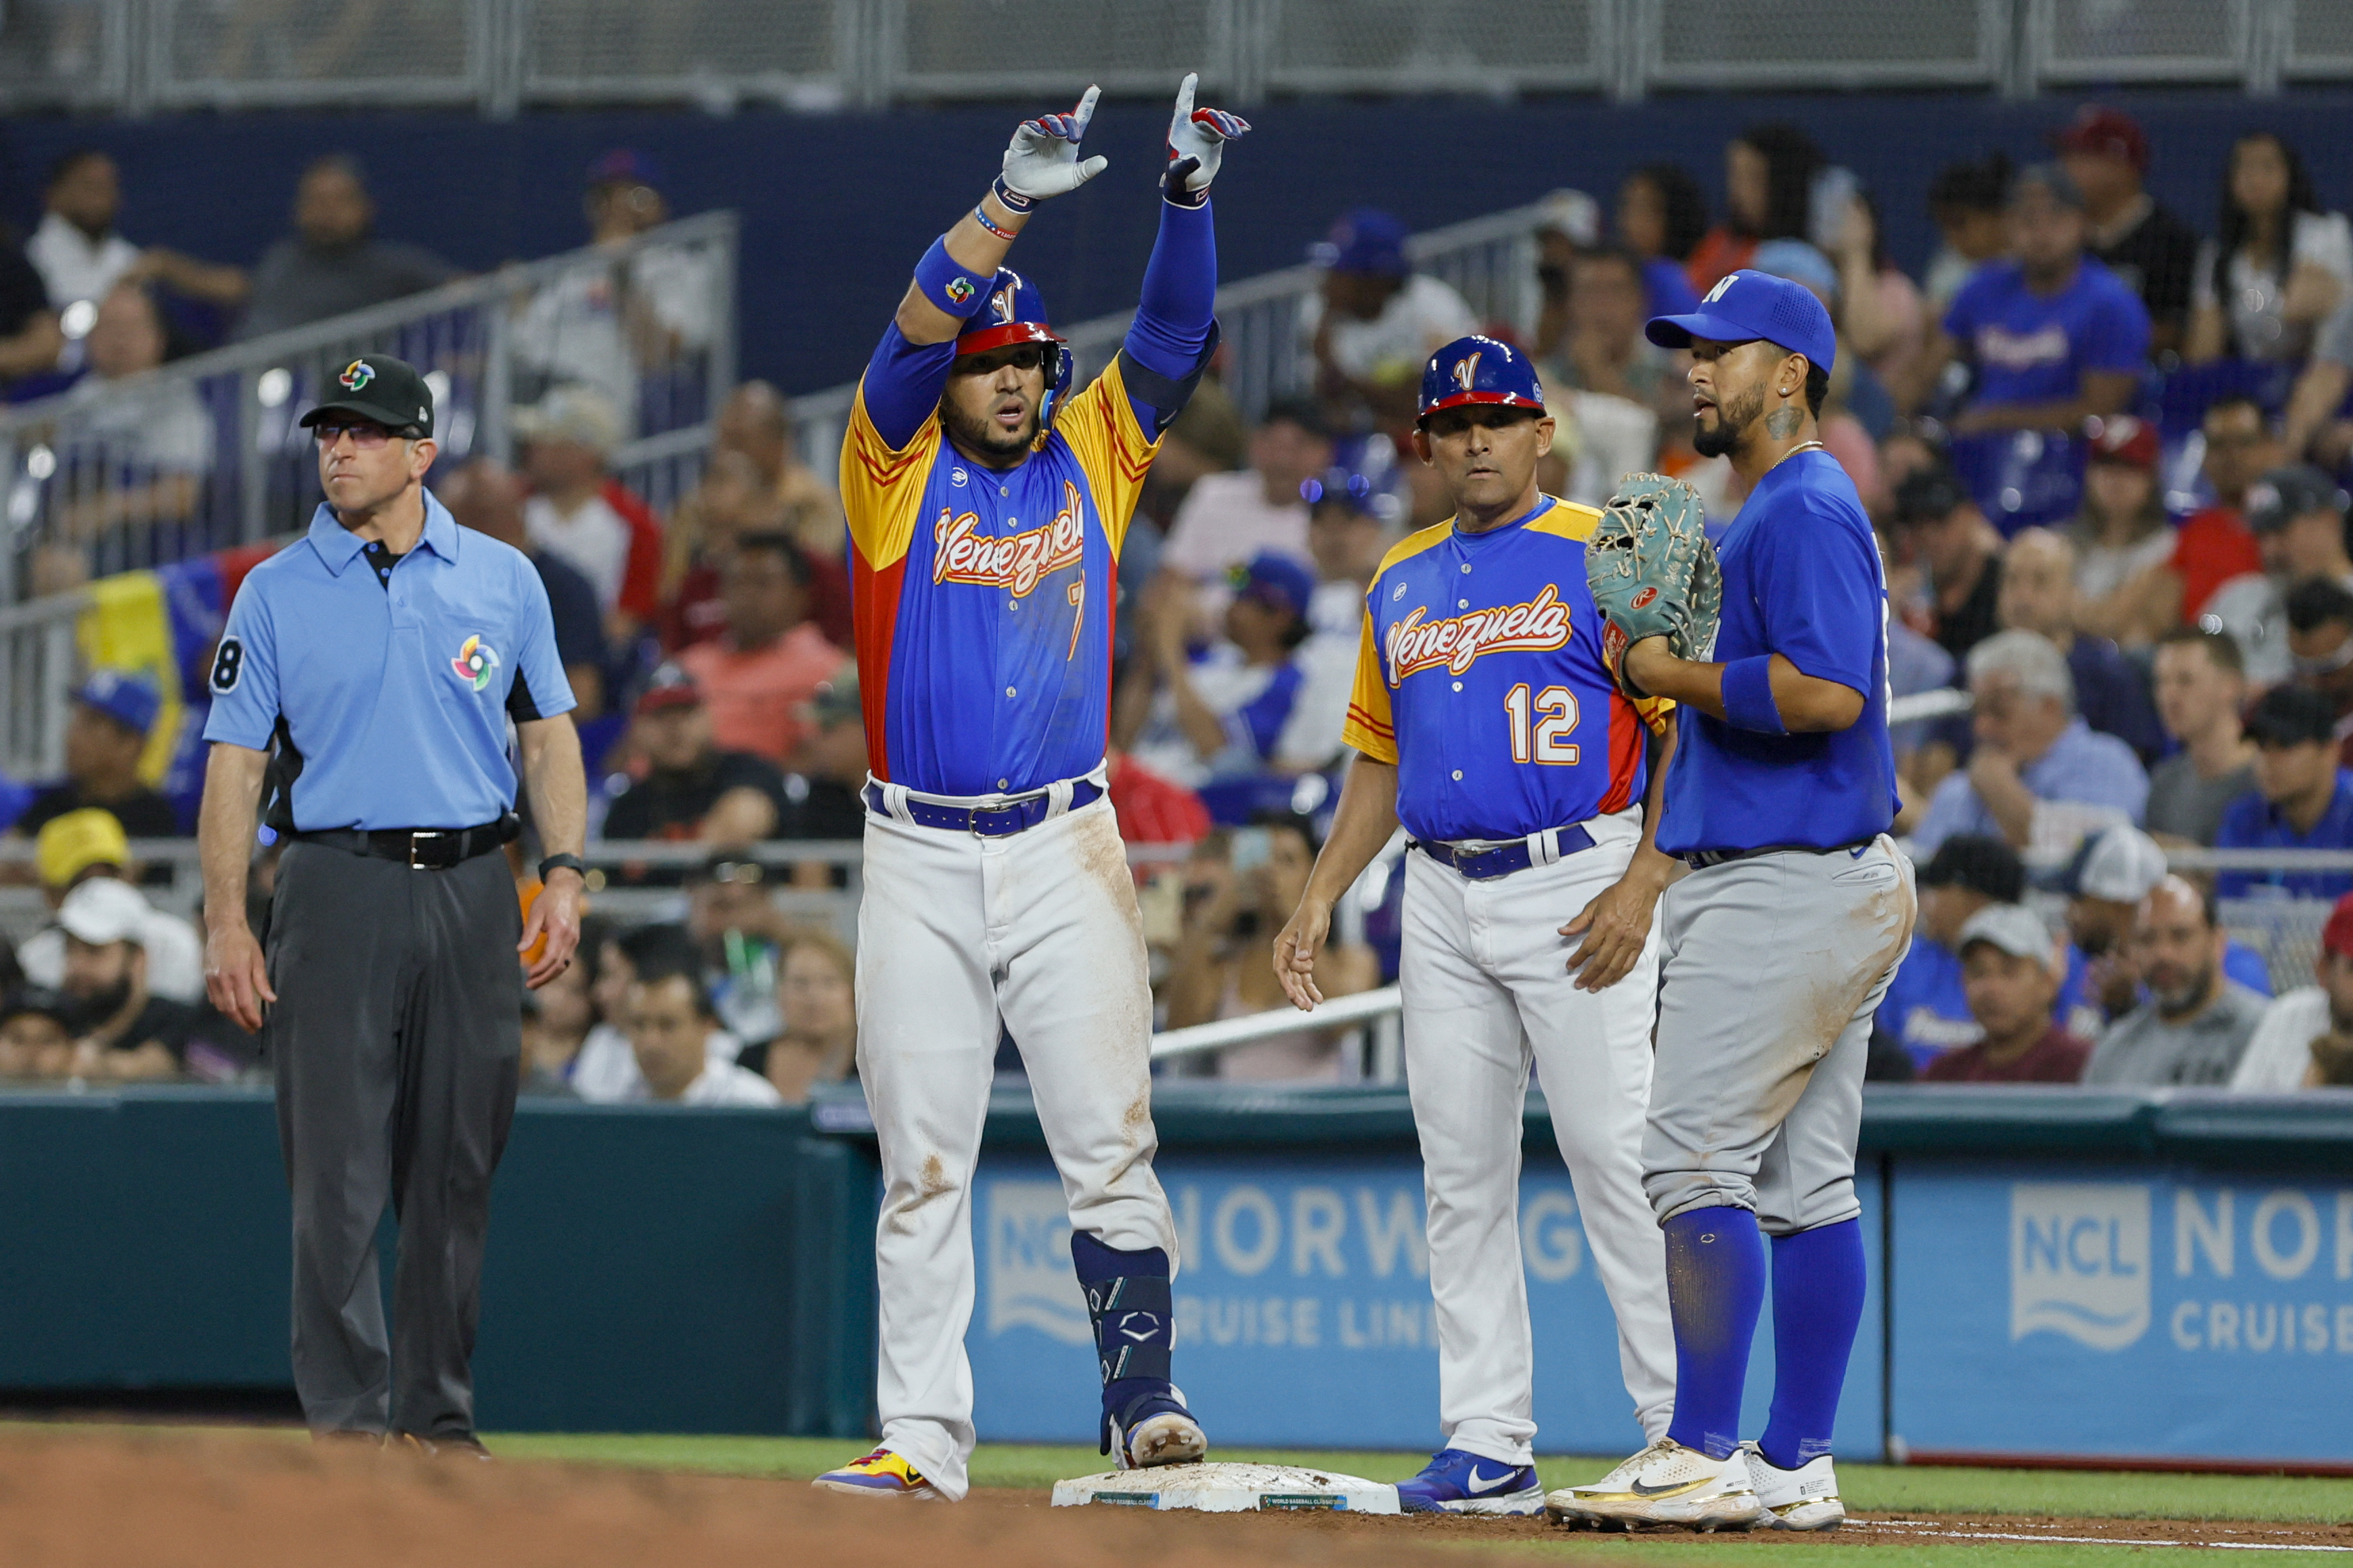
{"x": 1543, "y": 739}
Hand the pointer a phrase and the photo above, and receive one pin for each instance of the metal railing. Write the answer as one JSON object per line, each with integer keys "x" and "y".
{"x": 137, "y": 56}
{"x": 204, "y": 453}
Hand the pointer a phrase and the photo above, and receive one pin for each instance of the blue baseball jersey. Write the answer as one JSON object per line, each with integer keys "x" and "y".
{"x": 1479, "y": 676}
{"x": 2033, "y": 348}
{"x": 982, "y": 599}
{"x": 387, "y": 694}
{"x": 1801, "y": 578}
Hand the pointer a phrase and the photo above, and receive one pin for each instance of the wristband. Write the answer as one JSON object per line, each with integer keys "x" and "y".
{"x": 947, "y": 284}
{"x": 1748, "y": 696}
{"x": 1171, "y": 184}
{"x": 563, "y": 863}
{"x": 980, "y": 215}
{"x": 1013, "y": 201}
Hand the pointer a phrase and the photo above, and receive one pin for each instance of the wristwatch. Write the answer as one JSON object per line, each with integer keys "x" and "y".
{"x": 562, "y": 863}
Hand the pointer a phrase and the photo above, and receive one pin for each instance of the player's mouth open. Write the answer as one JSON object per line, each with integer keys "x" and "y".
{"x": 1011, "y": 412}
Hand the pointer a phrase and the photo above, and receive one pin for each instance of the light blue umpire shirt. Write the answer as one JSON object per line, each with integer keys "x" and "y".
{"x": 388, "y": 682}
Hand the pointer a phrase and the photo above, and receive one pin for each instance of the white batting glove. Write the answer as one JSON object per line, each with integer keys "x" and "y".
{"x": 1044, "y": 161}
{"x": 1196, "y": 142}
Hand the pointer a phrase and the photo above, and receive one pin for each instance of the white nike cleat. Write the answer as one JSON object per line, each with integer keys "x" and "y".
{"x": 1804, "y": 1498}
{"x": 1665, "y": 1484}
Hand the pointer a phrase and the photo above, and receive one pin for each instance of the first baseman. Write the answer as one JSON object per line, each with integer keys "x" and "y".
{"x": 1485, "y": 719}
{"x": 1780, "y": 943}
{"x": 369, "y": 673}
{"x": 987, "y": 507}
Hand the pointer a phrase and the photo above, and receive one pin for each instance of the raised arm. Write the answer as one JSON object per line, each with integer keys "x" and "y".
{"x": 1175, "y": 330}
{"x": 909, "y": 367}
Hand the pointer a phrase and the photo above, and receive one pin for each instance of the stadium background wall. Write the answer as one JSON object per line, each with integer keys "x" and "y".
{"x": 2134, "y": 1276}
{"x": 837, "y": 207}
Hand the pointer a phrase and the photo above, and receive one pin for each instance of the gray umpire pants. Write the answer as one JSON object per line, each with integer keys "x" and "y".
{"x": 396, "y": 1037}
{"x": 1772, "y": 968}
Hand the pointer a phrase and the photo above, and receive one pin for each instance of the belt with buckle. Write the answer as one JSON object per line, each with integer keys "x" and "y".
{"x": 1487, "y": 865}
{"x": 420, "y": 848}
{"x": 1002, "y": 820}
{"x": 1701, "y": 859}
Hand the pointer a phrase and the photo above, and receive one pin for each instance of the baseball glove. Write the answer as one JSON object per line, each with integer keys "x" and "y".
{"x": 1653, "y": 573}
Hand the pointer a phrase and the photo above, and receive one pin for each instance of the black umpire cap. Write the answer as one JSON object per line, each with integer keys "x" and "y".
{"x": 382, "y": 388}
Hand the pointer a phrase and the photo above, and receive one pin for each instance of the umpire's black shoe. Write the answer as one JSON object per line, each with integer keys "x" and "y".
{"x": 463, "y": 1446}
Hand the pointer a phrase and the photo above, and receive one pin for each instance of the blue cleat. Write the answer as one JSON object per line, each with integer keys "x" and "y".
{"x": 1457, "y": 1482}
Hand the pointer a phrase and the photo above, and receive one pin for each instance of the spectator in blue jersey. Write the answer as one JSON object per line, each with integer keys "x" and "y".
{"x": 2039, "y": 776}
{"x": 2302, "y": 800}
{"x": 1235, "y": 711}
{"x": 2038, "y": 595}
{"x": 2054, "y": 337}
{"x": 1661, "y": 216}
{"x": 1926, "y": 1008}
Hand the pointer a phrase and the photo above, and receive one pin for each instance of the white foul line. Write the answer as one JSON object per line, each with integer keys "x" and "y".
{"x": 1922, "y": 1527}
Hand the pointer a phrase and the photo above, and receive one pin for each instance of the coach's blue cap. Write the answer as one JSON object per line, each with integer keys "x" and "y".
{"x": 131, "y": 701}
{"x": 1748, "y": 305}
{"x": 1479, "y": 369}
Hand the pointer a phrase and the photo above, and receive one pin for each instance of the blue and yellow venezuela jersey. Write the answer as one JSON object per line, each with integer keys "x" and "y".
{"x": 983, "y": 601}
{"x": 1481, "y": 677}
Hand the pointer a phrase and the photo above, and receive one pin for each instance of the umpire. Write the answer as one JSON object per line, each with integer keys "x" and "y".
{"x": 360, "y": 699}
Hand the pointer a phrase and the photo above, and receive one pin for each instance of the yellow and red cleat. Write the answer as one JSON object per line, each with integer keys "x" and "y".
{"x": 881, "y": 1474}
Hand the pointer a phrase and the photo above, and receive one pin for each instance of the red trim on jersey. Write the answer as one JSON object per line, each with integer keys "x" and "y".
{"x": 1625, "y": 753}
{"x": 1385, "y": 731}
{"x": 875, "y": 616}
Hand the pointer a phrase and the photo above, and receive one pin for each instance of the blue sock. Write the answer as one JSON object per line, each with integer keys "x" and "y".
{"x": 1818, "y": 1288}
{"x": 1716, "y": 1288}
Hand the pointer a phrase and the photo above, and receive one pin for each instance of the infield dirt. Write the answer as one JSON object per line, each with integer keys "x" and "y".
{"x": 242, "y": 1500}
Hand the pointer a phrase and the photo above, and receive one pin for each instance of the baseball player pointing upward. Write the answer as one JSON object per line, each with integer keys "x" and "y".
{"x": 1779, "y": 945}
{"x": 1485, "y": 719}
{"x": 987, "y": 510}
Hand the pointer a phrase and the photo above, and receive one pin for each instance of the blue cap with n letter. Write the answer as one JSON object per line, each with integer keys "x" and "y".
{"x": 1745, "y": 306}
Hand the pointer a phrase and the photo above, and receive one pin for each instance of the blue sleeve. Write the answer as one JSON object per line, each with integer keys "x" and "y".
{"x": 1960, "y": 321}
{"x": 903, "y": 384}
{"x": 1176, "y": 318}
{"x": 1261, "y": 719}
{"x": 1824, "y": 610}
{"x": 2241, "y": 821}
{"x": 541, "y": 689}
{"x": 2116, "y": 333}
{"x": 244, "y": 681}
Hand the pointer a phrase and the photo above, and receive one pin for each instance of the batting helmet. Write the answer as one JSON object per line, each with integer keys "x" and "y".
{"x": 1478, "y": 370}
{"x": 1015, "y": 313}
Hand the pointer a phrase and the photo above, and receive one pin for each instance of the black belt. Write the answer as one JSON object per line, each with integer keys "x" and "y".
{"x": 420, "y": 848}
{"x": 1487, "y": 865}
{"x": 1701, "y": 859}
{"x": 1001, "y": 821}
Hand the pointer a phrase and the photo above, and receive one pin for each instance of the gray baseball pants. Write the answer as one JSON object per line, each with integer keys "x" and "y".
{"x": 1773, "y": 967}
{"x": 396, "y": 1037}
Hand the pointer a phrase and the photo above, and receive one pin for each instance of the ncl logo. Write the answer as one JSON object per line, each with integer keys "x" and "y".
{"x": 1030, "y": 1282}
{"x": 2079, "y": 1261}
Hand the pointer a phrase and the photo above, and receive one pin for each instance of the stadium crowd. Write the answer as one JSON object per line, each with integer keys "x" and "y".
{"x": 2105, "y": 451}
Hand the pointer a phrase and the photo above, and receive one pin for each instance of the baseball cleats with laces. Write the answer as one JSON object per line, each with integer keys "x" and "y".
{"x": 1804, "y": 1498}
{"x": 1665, "y": 1484}
{"x": 1457, "y": 1482}
{"x": 1156, "y": 1430}
{"x": 881, "y": 1474}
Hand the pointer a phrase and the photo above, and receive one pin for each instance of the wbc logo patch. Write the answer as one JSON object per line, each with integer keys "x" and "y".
{"x": 476, "y": 662}
{"x": 959, "y": 290}
{"x": 356, "y": 374}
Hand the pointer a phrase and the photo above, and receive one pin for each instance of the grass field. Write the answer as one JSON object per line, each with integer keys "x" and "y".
{"x": 1876, "y": 1489}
